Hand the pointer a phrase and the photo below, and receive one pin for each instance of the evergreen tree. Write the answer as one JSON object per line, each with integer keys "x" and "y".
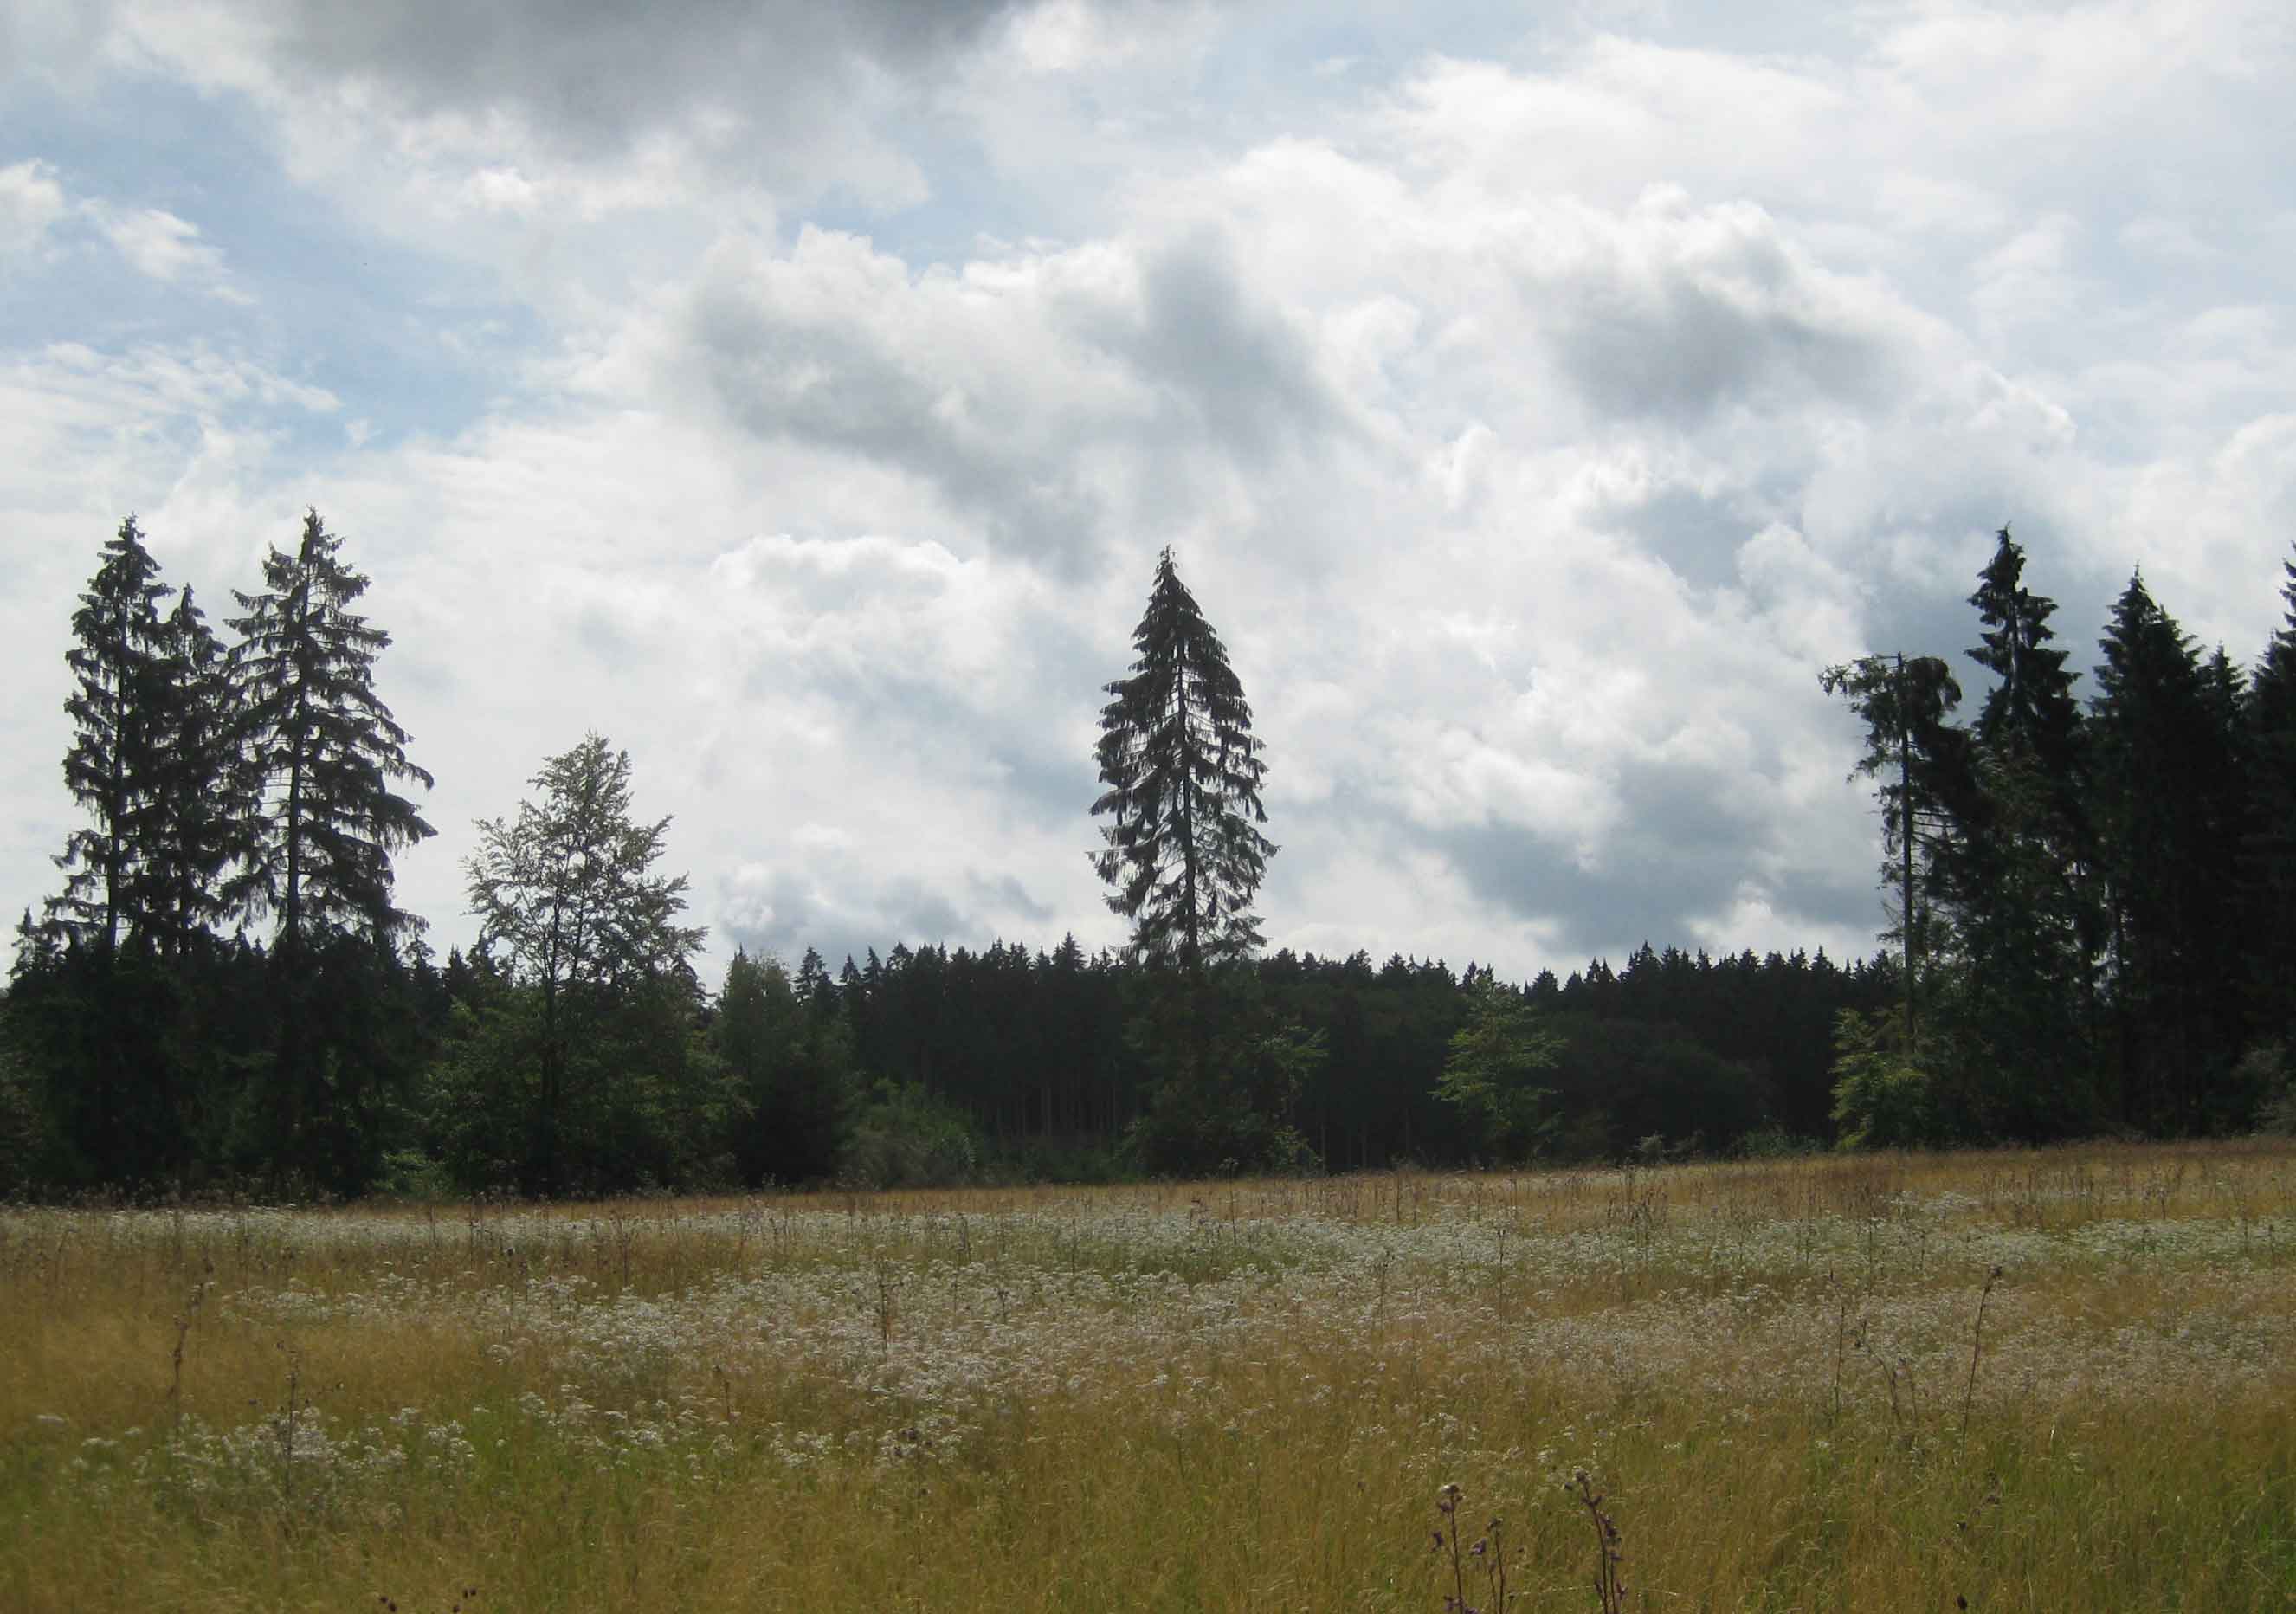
{"x": 1925, "y": 779}
{"x": 790, "y": 1066}
{"x": 1184, "y": 774}
{"x": 325, "y": 747}
{"x": 2028, "y": 928}
{"x": 114, "y": 765}
{"x": 204, "y": 800}
{"x": 2268, "y": 859}
{"x": 1184, "y": 857}
{"x": 2168, "y": 816}
{"x": 566, "y": 894}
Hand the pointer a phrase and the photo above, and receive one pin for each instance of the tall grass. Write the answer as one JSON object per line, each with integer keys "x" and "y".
{"x": 2027, "y": 1380}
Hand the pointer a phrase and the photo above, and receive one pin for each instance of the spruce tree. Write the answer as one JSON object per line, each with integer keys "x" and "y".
{"x": 113, "y": 767}
{"x": 1184, "y": 774}
{"x": 2268, "y": 854}
{"x": 2168, "y": 817}
{"x": 203, "y": 800}
{"x": 319, "y": 752}
{"x": 2028, "y": 926}
{"x": 326, "y": 748}
{"x": 1186, "y": 856}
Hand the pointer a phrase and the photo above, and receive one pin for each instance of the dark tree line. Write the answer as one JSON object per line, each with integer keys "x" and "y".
{"x": 2095, "y": 899}
{"x": 2094, "y": 905}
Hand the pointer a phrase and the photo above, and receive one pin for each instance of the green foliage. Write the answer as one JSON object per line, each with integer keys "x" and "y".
{"x": 788, "y": 1056}
{"x": 1492, "y": 1073}
{"x": 1233, "y": 1107}
{"x": 566, "y": 891}
{"x": 1883, "y": 1096}
{"x": 2268, "y": 1078}
{"x": 641, "y": 1101}
{"x": 1925, "y": 773}
{"x": 905, "y": 1138}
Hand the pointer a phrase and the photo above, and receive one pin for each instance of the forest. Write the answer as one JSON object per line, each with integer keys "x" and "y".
{"x": 2093, "y": 932}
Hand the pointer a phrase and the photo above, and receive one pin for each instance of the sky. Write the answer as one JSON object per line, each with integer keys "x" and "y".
{"x": 799, "y": 396}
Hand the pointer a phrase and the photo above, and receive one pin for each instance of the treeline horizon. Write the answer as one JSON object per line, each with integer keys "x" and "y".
{"x": 2094, "y": 933}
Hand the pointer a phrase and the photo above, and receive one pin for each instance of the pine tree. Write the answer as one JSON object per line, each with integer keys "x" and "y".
{"x": 113, "y": 767}
{"x": 326, "y": 748}
{"x": 1184, "y": 774}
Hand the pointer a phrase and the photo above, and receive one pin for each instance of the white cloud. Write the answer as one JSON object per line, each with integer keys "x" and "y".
{"x": 1533, "y": 425}
{"x": 157, "y": 243}
{"x": 30, "y": 202}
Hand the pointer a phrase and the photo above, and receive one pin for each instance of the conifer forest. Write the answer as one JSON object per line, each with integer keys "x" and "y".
{"x": 2092, "y": 931}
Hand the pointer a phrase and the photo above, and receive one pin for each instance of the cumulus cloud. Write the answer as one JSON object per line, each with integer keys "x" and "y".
{"x": 1028, "y": 389}
{"x": 1534, "y": 418}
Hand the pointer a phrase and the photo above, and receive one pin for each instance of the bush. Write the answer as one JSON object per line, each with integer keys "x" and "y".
{"x": 2264, "y": 1071}
{"x": 905, "y": 1138}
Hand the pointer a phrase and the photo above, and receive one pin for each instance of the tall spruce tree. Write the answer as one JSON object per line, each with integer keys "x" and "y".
{"x": 1183, "y": 771}
{"x": 114, "y": 766}
{"x": 325, "y": 749}
{"x": 204, "y": 802}
{"x": 2168, "y": 805}
{"x": 1185, "y": 855}
{"x": 321, "y": 753}
{"x": 2028, "y": 928}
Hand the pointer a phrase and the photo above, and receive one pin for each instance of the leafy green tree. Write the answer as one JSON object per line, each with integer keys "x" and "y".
{"x": 1494, "y": 1072}
{"x": 567, "y": 900}
{"x": 903, "y": 1137}
{"x": 114, "y": 766}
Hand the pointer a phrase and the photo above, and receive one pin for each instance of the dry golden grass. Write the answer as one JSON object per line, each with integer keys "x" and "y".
{"x": 1233, "y": 1396}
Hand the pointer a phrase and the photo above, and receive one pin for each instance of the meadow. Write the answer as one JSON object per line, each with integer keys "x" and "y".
{"x": 1996, "y": 1381}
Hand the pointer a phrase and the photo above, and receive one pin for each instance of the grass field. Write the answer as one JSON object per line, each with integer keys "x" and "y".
{"x": 1799, "y": 1385}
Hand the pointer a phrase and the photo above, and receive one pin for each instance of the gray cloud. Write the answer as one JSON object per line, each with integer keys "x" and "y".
{"x": 1233, "y": 372}
{"x": 1689, "y": 848}
{"x": 597, "y": 76}
{"x": 1021, "y": 393}
{"x": 781, "y": 911}
{"x": 1673, "y": 314}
